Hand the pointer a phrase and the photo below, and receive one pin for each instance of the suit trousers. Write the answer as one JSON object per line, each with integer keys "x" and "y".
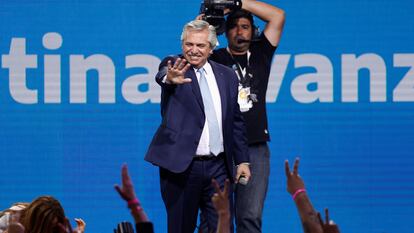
{"x": 184, "y": 194}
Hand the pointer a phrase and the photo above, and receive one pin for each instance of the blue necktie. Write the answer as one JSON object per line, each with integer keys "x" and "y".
{"x": 213, "y": 127}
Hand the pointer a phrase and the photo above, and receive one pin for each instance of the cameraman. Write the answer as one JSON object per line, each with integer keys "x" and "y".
{"x": 251, "y": 56}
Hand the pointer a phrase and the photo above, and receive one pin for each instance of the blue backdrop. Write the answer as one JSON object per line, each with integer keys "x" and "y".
{"x": 78, "y": 99}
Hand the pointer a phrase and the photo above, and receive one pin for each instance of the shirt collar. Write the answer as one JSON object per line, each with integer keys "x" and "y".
{"x": 207, "y": 68}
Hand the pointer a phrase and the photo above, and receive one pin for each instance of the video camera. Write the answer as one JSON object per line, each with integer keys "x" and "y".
{"x": 213, "y": 11}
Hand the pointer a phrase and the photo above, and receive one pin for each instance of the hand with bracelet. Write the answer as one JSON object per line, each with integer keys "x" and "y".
{"x": 127, "y": 192}
{"x": 311, "y": 220}
{"x": 295, "y": 184}
{"x": 296, "y": 188}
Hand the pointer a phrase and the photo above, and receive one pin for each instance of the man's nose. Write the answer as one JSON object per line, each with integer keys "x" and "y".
{"x": 193, "y": 49}
{"x": 239, "y": 31}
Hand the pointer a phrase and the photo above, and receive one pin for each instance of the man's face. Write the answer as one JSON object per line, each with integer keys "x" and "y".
{"x": 196, "y": 47}
{"x": 241, "y": 31}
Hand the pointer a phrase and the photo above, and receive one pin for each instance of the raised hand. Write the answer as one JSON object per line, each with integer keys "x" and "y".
{"x": 220, "y": 199}
{"x": 176, "y": 72}
{"x": 200, "y": 16}
{"x": 329, "y": 226}
{"x": 294, "y": 181}
{"x": 221, "y": 203}
{"x": 80, "y": 228}
{"x": 127, "y": 191}
{"x": 296, "y": 187}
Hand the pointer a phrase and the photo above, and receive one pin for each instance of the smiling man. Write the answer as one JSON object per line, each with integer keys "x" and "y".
{"x": 202, "y": 131}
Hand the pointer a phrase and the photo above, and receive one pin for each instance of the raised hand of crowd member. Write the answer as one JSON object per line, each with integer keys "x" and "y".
{"x": 296, "y": 187}
{"x": 127, "y": 192}
{"x": 294, "y": 181}
{"x": 221, "y": 203}
{"x": 176, "y": 72}
{"x": 43, "y": 215}
{"x": 328, "y": 226}
{"x": 67, "y": 227}
{"x": 80, "y": 225}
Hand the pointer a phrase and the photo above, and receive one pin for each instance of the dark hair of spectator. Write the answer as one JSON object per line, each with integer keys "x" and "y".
{"x": 43, "y": 215}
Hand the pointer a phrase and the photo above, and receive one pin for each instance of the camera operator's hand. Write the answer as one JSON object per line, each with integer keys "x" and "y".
{"x": 176, "y": 72}
{"x": 227, "y": 11}
{"x": 200, "y": 16}
{"x": 237, "y": 5}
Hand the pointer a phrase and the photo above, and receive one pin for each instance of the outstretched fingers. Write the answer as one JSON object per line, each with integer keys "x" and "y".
{"x": 320, "y": 218}
{"x": 226, "y": 187}
{"x": 287, "y": 168}
{"x": 326, "y": 216}
{"x": 296, "y": 166}
{"x": 177, "y": 63}
{"x": 126, "y": 179}
{"x": 118, "y": 189}
{"x": 126, "y": 190}
{"x": 217, "y": 187}
{"x": 182, "y": 64}
{"x": 80, "y": 225}
{"x": 169, "y": 65}
{"x": 176, "y": 72}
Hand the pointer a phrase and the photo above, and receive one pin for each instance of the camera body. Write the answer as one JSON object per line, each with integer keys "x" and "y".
{"x": 213, "y": 11}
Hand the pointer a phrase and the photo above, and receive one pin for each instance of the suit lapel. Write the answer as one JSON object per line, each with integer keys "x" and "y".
{"x": 195, "y": 87}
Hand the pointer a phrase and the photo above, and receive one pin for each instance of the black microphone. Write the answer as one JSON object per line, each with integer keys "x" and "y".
{"x": 239, "y": 41}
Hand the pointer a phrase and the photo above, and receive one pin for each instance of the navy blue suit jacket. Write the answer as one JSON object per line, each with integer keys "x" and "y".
{"x": 175, "y": 143}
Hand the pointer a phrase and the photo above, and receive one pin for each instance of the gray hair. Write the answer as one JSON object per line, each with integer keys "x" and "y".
{"x": 200, "y": 25}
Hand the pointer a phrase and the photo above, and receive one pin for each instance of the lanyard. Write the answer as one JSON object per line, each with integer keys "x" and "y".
{"x": 242, "y": 73}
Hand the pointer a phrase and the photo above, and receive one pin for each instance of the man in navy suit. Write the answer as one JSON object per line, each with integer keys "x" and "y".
{"x": 202, "y": 134}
